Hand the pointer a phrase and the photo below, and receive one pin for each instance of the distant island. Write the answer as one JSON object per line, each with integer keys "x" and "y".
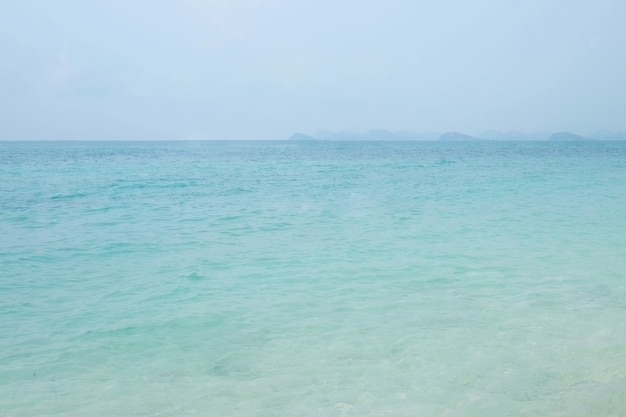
{"x": 567, "y": 136}
{"x": 490, "y": 135}
{"x": 301, "y": 136}
{"x": 376, "y": 134}
{"x": 457, "y": 136}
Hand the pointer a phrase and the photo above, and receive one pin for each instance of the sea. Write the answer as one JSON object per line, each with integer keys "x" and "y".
{"x": 312, "y": 279}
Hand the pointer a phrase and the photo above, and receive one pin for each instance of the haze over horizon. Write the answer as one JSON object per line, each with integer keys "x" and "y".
{"x": 264, "y": 69}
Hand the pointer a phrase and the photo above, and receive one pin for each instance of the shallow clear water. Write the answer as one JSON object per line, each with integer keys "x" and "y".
{"x": 312, "y": 279}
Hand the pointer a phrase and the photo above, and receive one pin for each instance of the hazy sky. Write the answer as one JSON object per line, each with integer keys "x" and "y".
{"x": 263, "y": 69}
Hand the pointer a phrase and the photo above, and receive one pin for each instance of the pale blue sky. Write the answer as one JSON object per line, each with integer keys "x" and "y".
{"x": 263, "y": 69}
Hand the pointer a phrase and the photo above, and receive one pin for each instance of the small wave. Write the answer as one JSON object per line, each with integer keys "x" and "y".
{"x": 68, "y": 196}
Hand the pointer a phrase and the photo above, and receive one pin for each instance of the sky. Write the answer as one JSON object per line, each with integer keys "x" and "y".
{"x": 264, "y": 69}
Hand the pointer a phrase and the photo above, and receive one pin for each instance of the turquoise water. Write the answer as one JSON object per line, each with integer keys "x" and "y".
{"x": 313, "y": 279}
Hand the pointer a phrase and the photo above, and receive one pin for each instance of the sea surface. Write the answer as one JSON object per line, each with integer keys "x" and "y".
{"x": 234, "y": 279}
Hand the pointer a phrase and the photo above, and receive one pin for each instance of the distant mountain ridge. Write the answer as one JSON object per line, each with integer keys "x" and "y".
{"x": 494, "y": 135}
{"x": 608, "y": 135}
